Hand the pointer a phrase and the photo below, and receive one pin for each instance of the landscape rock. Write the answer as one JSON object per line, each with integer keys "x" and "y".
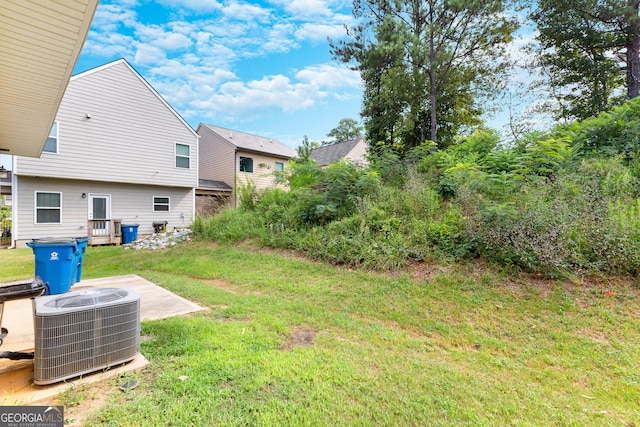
{"x": 161, "y": 240}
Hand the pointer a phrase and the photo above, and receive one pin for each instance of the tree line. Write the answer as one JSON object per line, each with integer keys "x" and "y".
{"x": 431, "y": 67}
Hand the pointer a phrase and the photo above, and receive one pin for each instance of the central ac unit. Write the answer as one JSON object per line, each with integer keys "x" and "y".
{"x": 84, "y": 331}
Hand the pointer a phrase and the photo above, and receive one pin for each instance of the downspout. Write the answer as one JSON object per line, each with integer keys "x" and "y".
{"x": 235, "y": 178}
{"x": 14, "y": 203}
{"x": 194, "y": 211}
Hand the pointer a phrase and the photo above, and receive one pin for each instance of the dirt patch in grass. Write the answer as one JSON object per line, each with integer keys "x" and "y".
{"x": 82, "y": 401}
{"x": 595, "y": 336}
{"x": 425, "y": 272}
{"x": 299, "y": 337}
{"x": 225, "y": 286}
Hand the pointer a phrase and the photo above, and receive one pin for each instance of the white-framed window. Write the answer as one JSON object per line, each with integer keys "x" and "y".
{"x": 51, "y": 146}
{"x": 246, "y": 164}
{"x": 161, "y": 204}
{"x": 183, "y": 156}
{"x": 278, "y": 171}
{"x": 48, "y": 206}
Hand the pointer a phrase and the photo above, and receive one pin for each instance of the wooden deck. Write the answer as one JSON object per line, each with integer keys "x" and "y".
{"x": 105, "y": 231}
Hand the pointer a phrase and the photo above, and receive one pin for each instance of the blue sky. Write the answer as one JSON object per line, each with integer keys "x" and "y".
{"x": 262, "y": 67}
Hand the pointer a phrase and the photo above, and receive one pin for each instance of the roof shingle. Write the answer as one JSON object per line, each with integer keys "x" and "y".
{"x": 253, "y": 143}
{"x": 328, "y": 154}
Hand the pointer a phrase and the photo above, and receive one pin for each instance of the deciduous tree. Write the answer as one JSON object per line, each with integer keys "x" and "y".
{"x": 346, "y": 130}
{"x": 588, "y": 52}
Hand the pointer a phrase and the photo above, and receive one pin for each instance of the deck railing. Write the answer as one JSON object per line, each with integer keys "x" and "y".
{"x": 105, "y": 231}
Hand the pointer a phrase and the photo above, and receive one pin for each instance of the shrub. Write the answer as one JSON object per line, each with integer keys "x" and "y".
{"x": 248, "y": 195}
{"x": 229, "y": 225}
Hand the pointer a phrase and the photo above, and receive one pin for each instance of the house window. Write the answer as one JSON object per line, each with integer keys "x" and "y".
{"x": 160, "y": 204}
{"x": 279, "y": 170}
{"x": 48, "y": 208}
{"x": 183, "y": 156}
{"x": 246, "y": 164}
{"x": 51, "y": 146}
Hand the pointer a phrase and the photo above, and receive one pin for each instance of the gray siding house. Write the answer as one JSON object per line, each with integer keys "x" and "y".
{"x": 117, "y": 153}
{"x": 234, "y": 158}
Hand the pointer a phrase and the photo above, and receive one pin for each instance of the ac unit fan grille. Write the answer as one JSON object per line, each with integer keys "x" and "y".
{"x": 76, "y": 343}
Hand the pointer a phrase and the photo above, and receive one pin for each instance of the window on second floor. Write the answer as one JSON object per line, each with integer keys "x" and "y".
{"x": 246, "y": 164}
{"x": 48, "y": 208}
{"x": 279, "y": 171}
{"x": 183, "y": 156}
{"x": 51, "y": 146}
{"x": 160, "y": 204}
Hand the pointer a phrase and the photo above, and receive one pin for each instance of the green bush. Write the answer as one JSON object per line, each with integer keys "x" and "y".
{"x": 248, "y": 195}
{"x": 229, "y": 225}
{"x": 5, "y": 212}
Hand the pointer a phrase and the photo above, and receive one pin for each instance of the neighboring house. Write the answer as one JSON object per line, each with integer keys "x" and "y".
{"x": 5, "y": 188}
{"x": 354, "y": 150}
{"x": 5, "y": 184}
{"x": 117, "y": 152}
{"x": 234, "y": 158}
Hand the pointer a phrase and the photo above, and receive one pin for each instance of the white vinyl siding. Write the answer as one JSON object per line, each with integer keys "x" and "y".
{"x": 130, "y": 138}
{"x": 183, "y": 156}
{"x": 51, "y": 146}
{"x": 161, "y": 204}
{"x": 48, "y": 208}
{"x": 129, "y": 203}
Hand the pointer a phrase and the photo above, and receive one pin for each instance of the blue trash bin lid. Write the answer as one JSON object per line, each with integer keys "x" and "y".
{"x": 52, "y": 241}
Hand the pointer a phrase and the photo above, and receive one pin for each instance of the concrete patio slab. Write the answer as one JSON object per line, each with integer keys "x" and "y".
{"x": 16, "y": 377}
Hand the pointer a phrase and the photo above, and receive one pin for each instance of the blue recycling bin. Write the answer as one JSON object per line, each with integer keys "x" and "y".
{"x": 54, "y": 263}
{"x": 129, "y": 233}
{"x": 79, "y": 257}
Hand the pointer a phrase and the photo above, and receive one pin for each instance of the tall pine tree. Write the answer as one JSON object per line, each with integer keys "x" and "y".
{"x": 426, "y": 65}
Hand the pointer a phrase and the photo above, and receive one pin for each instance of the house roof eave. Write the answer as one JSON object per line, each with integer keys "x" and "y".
{"x": 38, "y": 51}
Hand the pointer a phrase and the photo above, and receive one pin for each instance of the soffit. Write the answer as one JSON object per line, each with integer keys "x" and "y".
{"x": 40, "y": 42}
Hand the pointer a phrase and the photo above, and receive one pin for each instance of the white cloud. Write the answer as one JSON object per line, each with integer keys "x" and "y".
{"x": 278, "y": 39}
{"x": 253, "y": 98}
{"x": 111, "y": 17}
{"x": 306, "y": 8}
{"x": 194, "y": 5}
{"x": 246, "y": 12}
{"x": 172, "y": 41}
{"x": 330, "y": 76}
{"x": 110, "y": 45}
{"x": 149, "y": 55}
{"x": 318, "y": 33}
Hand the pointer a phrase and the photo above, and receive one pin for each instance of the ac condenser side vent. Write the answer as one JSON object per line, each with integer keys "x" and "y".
{"x": 84, "y": 331}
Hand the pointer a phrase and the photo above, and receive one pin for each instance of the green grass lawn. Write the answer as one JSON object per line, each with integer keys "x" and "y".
{"x": 293, "y": 342}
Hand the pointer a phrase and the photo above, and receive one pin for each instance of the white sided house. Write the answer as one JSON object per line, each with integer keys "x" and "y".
{"x": 234, "y": 158}
{"x": 117, "y": 154}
